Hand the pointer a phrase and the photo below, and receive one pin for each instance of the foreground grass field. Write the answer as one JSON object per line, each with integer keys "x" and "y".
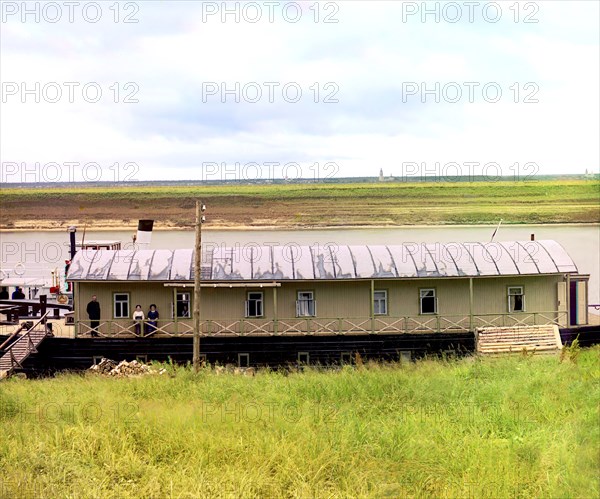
{"x": 505, "y": 427}
{"x": 308, "y": 205}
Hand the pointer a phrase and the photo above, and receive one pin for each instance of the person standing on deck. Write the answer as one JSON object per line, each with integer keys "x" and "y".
{"x": 152, "y": 319}
{"x": 93, "y": 311}
{"x": 138, "y": 317}
{"x": 18, "y": 294}
{"x": 4, "y": 293}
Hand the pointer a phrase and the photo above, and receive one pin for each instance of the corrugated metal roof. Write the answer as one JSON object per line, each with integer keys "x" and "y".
{"x": 329, "y": 262}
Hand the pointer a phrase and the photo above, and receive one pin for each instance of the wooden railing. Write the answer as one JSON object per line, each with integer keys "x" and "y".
{"x": 314, "y": 326}
{"x": 14, "y": 310}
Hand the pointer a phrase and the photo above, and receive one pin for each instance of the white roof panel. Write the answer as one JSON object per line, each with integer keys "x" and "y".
{"x": 303, "y": 261}
{"x": 404, "y": 261}
{"x": 343, "y": 262}
{"x": 140, "y": 265}
{"x": 161, "y": 265}
{"x": 524, "y": 260}
{"x": 384, "y": 265}
{"x": 181, "y": 264}
{"x": 502, "y": 257}
{"x": 119, "y": 270}
{"x": 484, "y": 261}
{"x": 363, "y": 261}
{"x": 327, "y": 262}
{"x": 559, "y": 256}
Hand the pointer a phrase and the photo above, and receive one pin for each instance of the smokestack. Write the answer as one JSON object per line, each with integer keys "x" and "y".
{"x": 533, "y": 237}
{"x": 72, "y": 230}
{"x": 144, "y": 233}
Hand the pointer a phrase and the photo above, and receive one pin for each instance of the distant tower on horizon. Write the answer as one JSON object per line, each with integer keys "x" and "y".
{"x": 381, "y": 175}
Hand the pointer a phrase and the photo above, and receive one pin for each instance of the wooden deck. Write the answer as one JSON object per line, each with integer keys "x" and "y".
{"x": 317, "y": 326}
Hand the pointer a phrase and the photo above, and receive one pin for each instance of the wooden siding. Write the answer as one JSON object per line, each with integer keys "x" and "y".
{"x": 336, "y": 299}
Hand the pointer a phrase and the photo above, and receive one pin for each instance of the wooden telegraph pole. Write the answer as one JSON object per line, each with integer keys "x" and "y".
{"x": 200, "y": 208}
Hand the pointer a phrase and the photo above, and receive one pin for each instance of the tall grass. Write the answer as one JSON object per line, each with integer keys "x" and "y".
{"x": 494, "y": 427}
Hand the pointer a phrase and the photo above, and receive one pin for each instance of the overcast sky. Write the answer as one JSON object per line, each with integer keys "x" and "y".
{"x": 309, "y": 89}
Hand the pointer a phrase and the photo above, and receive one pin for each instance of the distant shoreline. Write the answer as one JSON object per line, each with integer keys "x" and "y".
{"x": 275, "y": 228}
{"x": 305, "y": 206}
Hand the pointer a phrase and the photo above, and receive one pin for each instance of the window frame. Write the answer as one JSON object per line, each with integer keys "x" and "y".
{"x": 114, "y": 304}
{"x": 387, "y": 310}
{"x": 303, "y": 355}
{"x": 174, "y": 311}
{"x": 435, "y": 301}
{"x": 509, "y": 296}
{"x": 246, "y": 356}
{"x": 310, "y": 302}
{"x": 262, "y": 305}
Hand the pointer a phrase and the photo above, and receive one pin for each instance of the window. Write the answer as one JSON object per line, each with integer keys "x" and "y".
{"x": 405, "y": 356}
{"x": 380, "y": 302}
{"x": 243, "y": 360}
{"x": 516, "y": 299}
{"x": 121, "y": 305}
{"x": 303, "y": 358}
{"x": 428, "y": 301}
{"x": 305, "y": 305}
{"x": 183, "y": 305}
{"x": 254, "y": 304}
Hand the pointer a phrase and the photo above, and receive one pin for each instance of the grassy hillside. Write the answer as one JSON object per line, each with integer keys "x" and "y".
{"x": 308, "y": 205}
{"x": 505, "y": 427}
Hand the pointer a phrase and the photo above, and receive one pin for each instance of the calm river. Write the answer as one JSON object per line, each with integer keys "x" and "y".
{"x": 41, "y": 250}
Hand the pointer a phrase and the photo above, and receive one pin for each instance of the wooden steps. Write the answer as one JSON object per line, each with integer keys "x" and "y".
{"x": 23, "y": 347}
{"x": 516, "y": 339}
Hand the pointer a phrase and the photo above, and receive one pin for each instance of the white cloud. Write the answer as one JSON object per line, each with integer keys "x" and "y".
{"x": 368, "y": 55}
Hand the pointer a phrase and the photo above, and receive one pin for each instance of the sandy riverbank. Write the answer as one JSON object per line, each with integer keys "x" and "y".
{"x": 117, "y": 225}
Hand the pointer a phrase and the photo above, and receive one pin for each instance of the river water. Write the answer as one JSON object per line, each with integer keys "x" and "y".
{"x": 40, "y": 251}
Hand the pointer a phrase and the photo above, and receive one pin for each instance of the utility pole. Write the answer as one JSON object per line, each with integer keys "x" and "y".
{"x": 200, "y": 208}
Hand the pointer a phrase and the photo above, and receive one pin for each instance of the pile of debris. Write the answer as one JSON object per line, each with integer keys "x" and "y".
{"x": 231, "y": 369}
{"x": 123, "y": 369}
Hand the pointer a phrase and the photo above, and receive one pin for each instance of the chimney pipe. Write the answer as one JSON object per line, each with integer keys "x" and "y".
{"x": 533, "y": 237}
{"x": 72, "y": 230}
{"x": 144, "y": 233}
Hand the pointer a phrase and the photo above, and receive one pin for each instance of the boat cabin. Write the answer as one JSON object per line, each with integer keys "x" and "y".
{"x": 330, "y": 290}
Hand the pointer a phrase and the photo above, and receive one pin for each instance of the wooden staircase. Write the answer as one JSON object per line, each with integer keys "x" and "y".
{"x": 15, "y": 354}
{"x": 517, "y": 339}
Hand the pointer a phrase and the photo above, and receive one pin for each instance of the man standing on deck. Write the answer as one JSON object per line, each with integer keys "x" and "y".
{"x": 93, "y": 311}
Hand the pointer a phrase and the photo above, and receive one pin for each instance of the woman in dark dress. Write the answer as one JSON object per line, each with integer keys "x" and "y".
{"x": 152, "y": 319}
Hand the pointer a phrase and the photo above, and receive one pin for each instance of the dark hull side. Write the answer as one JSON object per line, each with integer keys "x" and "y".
{"x": 58, "y": 354}
{"x": 586, "y": 335}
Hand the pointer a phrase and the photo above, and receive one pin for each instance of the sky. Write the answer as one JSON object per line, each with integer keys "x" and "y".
{"x": 177, "y": 90}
